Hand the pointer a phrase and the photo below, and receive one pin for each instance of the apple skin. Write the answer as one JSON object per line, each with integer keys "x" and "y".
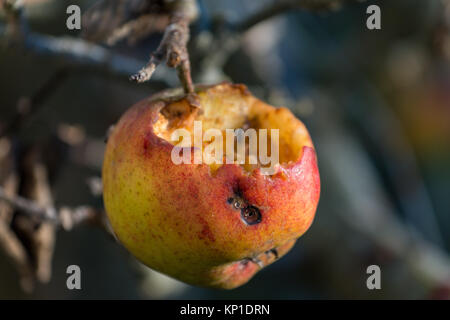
{"x": 178, "y": 219}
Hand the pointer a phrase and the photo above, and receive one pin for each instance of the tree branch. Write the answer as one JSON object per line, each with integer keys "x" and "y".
{"x": 82, "y": 53}
{"x": 173, "y": 46}
{"x": 65, "y": 217}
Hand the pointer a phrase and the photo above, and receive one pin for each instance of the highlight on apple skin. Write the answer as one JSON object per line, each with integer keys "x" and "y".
{"x": 212, "y": 225}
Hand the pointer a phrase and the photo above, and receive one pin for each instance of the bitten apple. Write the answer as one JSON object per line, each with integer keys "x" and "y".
{"x": 212, "y": 225}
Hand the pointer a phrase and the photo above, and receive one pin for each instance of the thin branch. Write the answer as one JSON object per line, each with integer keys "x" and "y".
{"x": 9, "y": 241}
{"x": 65, "y": 216}
{"x": 82, "y": 53}
{"x": 30, "y": 207}
{"x": 40, "y": 236}
{"x": 173, "y": 46}
{"x": 110, "y": 21}
{"x": 15, "y": 251}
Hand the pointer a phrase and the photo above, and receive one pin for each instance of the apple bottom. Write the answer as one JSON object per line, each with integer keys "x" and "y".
{"x": 237, "y": 273}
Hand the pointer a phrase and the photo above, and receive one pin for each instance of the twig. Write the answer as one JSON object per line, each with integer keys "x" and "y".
{"x": 9, "y": 241}
{"x": 173, "y": 46}
{"x": 65, "y": 216}
{"x": 110, "y": 21}
{"x": 15, "y": 251}
{"x": 40, "y": 235}
{"x": 30, "y": 207}
{"x": 81, "y": 53}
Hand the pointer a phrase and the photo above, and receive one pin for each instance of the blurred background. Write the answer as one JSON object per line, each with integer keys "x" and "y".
{"x": 376, "y": 102}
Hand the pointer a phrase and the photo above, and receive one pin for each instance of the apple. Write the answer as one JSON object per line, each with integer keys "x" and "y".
{"x": 206, "y": 223}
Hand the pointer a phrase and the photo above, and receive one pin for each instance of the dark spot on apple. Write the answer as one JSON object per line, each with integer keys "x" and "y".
{"x": 237, "y": 202}
{"x": 251, "y": 215}
{"x": 253, "y": 260}
{"x": 273, "y": 251}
